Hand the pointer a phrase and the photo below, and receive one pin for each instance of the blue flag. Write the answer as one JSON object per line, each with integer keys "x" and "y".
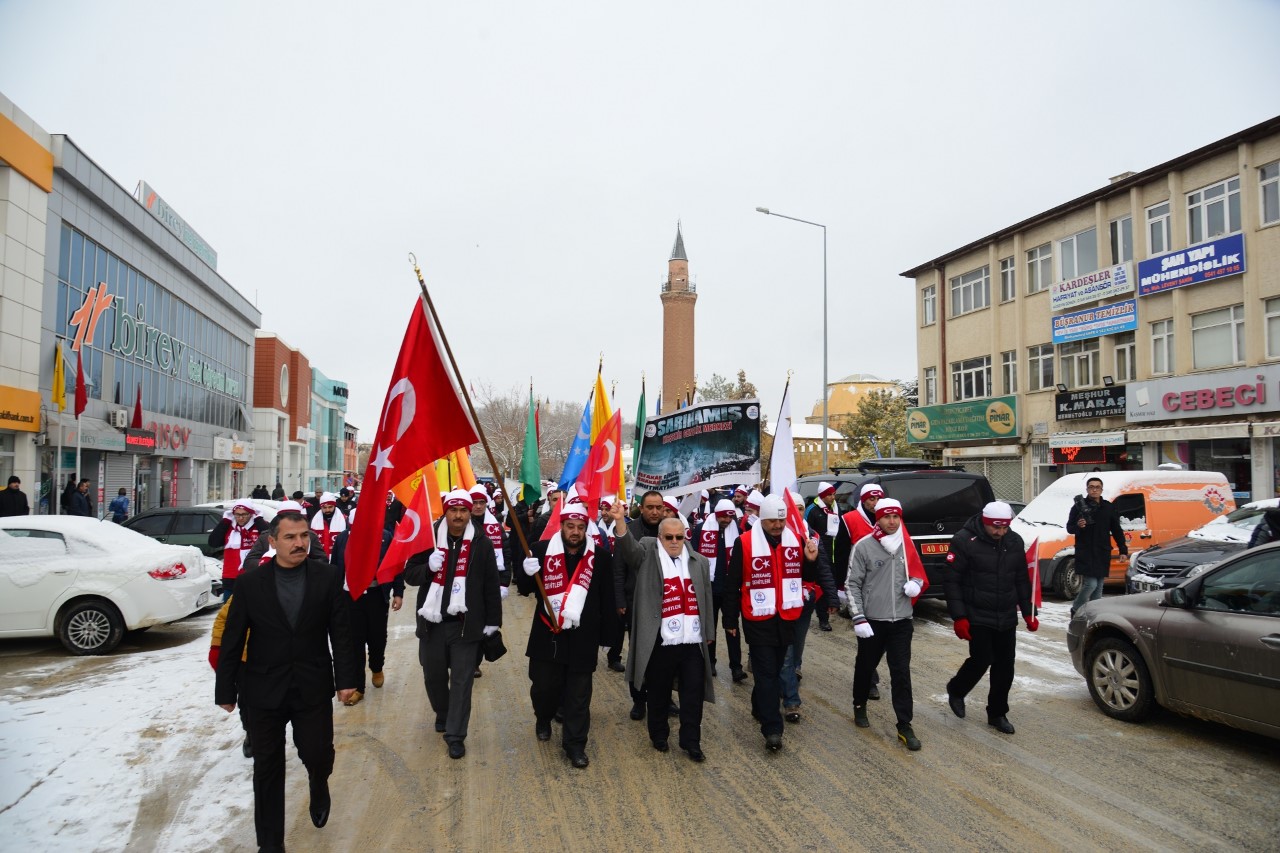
{"x": 578, "y": 451}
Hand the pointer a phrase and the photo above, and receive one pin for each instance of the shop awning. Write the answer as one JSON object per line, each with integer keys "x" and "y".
{"x": 1189, "y": 433}
{"x": 1100, "y": 438}
{"x": 95, "y": 435}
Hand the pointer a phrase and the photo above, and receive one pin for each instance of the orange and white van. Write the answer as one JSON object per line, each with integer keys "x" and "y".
{"x": 1154, "y": 507}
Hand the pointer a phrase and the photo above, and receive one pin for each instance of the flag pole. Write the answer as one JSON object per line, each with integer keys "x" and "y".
{"x": 55, "y": 500}
{"x": 764, "y": 463}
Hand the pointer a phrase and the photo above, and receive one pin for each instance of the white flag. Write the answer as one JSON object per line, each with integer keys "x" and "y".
{"x": 782, "y": 460}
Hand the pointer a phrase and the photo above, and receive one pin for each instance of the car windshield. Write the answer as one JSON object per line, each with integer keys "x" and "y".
{"x": 937, "y": 499}
{"x": 1234, "y": 527}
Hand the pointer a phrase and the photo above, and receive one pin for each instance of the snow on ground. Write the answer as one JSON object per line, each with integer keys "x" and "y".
{"x": 88, "y": 743}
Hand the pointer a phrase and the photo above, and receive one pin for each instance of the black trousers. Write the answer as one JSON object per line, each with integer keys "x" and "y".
{"x": 614, "y": 653}
{"x": 993, "y": 649}
{"x": 448, "y": 672}
{"x": 666, "y": 663}
{"x": 766, "y": 686}
{"x": 369, "y": 629}
{"x": 892, "y": 639}
{"x": 313, "y": 738}
{"x": 552, "y": 687}
{"x": 732, "y": 644}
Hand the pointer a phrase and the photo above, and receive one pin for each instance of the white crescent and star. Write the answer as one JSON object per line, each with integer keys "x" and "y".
{"x": 417, "y": 525}
{"x": 408, "y": 408}
{"x": 612, "y": 450}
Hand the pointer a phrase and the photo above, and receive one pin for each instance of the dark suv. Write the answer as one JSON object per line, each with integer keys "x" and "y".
{"x": 936, "y": 502}
{"x": 178, "y": 526}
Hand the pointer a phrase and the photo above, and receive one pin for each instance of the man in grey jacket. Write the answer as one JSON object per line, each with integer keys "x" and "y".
{"x": 670, "y": 615}
{"x": 881, "y": 588}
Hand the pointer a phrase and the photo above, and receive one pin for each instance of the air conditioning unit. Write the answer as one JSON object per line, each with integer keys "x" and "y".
{"x": 119, "y": 418}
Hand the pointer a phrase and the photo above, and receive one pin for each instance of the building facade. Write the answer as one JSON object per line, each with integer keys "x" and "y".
{"x": 1134, "y": 326}
{"x": 281, "y": 413}
{"x": 679, "y": 298}
{"x": 326, "y": 444}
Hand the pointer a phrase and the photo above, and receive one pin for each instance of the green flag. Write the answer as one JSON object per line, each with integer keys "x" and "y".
{"x": 639, "y": 439}
{"x": 530, "y": 469}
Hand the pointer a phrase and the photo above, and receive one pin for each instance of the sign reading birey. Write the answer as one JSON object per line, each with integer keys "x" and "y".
{"x": 701, "y": 447}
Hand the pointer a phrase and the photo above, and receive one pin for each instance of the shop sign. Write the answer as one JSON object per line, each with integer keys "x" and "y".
{"x": 1094, "y": 403}
{"x": 1192, "y": 265}
{"x": 233, "y": 449}
{"x": 140, "y": 440}
{"x": 1092, "y": 287}
{"x": 92, "y": 439}
{"x": 1087, "y": 439}
{"x": 1079, "y": 455}
{"x": 170, "y": 219}
{"x": 1096, "y": 322}
{"x": 1244, "y": 391}
{"x": 19, "y": 409}
{"x": 1270, "y": 429}
{"x": 170, "y": 436}
{"x": 991, "y": 418}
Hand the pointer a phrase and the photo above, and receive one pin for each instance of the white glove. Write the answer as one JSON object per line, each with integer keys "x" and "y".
{"x": 568, "y": 621}
{"x": 436, "y": 560}
{"x": 863, "y": 629}
{"x": 843, "y": 596}
{"x": 502, "y": 590}
{"x": 490, "y": 630}
{"x": 911, "y": 588}
{"x": 531, "y": 566}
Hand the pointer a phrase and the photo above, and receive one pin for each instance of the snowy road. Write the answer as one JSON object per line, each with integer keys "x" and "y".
{"x": 128, "y": 752}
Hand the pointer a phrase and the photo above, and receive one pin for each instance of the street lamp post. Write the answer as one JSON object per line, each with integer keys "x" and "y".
{"x": 767, "y": 212}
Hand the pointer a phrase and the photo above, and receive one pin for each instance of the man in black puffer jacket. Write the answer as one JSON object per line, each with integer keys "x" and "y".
{"x": 987, "y": 583}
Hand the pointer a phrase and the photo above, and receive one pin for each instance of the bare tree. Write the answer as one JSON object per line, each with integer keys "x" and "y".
{"x": 502, "y": 417}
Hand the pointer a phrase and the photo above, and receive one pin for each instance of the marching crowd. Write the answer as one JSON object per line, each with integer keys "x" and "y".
{"x": 655, "y": 590}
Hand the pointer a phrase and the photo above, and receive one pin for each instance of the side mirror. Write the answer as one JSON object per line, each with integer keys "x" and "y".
{"x": 1176, "y": 597}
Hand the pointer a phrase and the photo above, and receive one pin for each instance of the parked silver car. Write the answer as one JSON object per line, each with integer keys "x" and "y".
{"x": 1209, "y": 648}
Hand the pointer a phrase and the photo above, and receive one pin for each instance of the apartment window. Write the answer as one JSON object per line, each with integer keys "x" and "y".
{"x": 971, "y": 291}
{"x": 1213, "y": 211}
{"x": 1039, "y": 268}
{"x": 1122, "y": 240}
{"x": 971, "y": 378}
{"x": 930, "y": 386}
{"x": 1126, "y": 357}
{"x": 1078, "y": 254}
{"x": 1009, "y": 371}
{"x": 1078, "y": 362}
{"x": 1269, "y": 189}
{"x": 1162, "y": 347}
{"x": 1271, "y": 308}
{"x": 929, "y": 304}
{"x": 1159, "y": 229}
{"x": 1008, "y": 289}
{"x": 1217, "y": 337}
{"x": 1039, "y": 367}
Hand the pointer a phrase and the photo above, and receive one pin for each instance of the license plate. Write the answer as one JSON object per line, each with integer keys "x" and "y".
{"x": 935, "y": 547}
{"x": 202, "y": 600}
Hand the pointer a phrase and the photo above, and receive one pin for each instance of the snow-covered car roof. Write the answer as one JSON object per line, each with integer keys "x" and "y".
{"x": 114, "y": 551}
{"x": 1236, "y": 526}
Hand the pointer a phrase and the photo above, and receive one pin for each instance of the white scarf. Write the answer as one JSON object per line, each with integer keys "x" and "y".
{"x": 337, "y": 524}
{"x": 430, "y": 609}
{"x": 708, "y": 533}
{"x": 833, "y": 518}
{"x": 680, "y": 619}
{"x": 764, "y": 602}
{"x": 567, "y": 595}
{"x": 892, "y": 544}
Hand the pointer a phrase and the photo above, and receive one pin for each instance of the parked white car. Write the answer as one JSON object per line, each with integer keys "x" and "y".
{"x": 87, "y": 582}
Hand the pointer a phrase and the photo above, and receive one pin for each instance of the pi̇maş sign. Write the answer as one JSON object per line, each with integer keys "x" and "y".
{"x": 702, "y": 447}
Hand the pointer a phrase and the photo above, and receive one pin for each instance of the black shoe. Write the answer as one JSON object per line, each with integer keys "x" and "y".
{"x": 673, "y": 710}
{"x": 440, "y": 726}
{"x": 1001, "y": 724}
{"x": 773, "y": 743}
{"x": 478, "y": 673}
{"x": 713, "y": 670}
{"x": 739, "y": 674}
{"x": 661, "y": 745}
{"x": 247, "y": 747}
{"x": 908, "y": 737}
{"x": 579, "y": 759}
{"x": 542, "y": 730}
{"x": 637, "y": 711}
{"x": 956, "y": 703}
{"x": 457, "y": 749}
{"x": 695, "y": 753}
{"x": 616, "y": 666}
{"x": 824, "y": 626}
{"x": 320, "y": 802}
{"x": 860, "y": 717}
{"x": 875, "y": 692}
{"x": 792, "y": 715}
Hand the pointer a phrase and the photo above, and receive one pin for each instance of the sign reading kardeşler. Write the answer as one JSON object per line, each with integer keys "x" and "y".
{"x": 1091, "y": 287}
{"x": 701, "y": 447}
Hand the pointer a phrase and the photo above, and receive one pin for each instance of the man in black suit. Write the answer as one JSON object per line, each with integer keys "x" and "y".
{"x": 296, "y": 607}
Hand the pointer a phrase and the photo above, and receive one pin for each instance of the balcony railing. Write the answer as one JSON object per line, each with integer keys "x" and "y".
{"x": 690, "y": 287}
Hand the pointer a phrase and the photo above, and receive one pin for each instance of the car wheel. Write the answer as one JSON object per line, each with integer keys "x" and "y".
{"x": 90, "y": 628}
{"x": 1119, "y": 681}
{"x": 1066, "y": 582}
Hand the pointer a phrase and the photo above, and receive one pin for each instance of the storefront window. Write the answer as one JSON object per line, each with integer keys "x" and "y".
{"x": 1228, "y": 456}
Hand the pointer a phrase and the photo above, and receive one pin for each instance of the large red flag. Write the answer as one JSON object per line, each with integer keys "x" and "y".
{"x": 82, "y": 392}
{"x": 599, "y": 476}
{"x": 1033, "y": 570}
{"x": 423, "y": 419}
{"x": 412, "y": 536}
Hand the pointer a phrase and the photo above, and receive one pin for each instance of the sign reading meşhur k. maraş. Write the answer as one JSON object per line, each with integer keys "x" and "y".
{"x": 701, "y": 447}
{"x": 175, "y": 223}
{"x": 1091, "y": 287}
{"x": 1192, "y": 265}
{"x": 990, "y": 418}
{"x": 1096, "y": 322}
{"x": 1093, "y": 403}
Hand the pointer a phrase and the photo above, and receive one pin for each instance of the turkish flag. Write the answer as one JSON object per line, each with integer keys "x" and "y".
{"x": 1033, "y": 571}
{"x": 136, "y": 423}
{"x": 82, "y": 392}
{"x": 600, "y": 473}
{"x": 412, "y": 536}
{"x": 423, "y": 419}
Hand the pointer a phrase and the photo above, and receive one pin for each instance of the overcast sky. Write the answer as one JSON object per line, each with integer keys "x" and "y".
{"x": 536, "y": 158}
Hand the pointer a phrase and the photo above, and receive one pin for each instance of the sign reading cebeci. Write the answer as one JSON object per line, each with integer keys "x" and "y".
{"x": 1243, "y": 391}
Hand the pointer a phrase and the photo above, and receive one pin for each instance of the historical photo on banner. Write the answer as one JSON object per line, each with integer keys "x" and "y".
{"x": 699, "y": 447}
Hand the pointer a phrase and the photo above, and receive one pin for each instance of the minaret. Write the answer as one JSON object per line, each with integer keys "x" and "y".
{"x": 678, "y": 298}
